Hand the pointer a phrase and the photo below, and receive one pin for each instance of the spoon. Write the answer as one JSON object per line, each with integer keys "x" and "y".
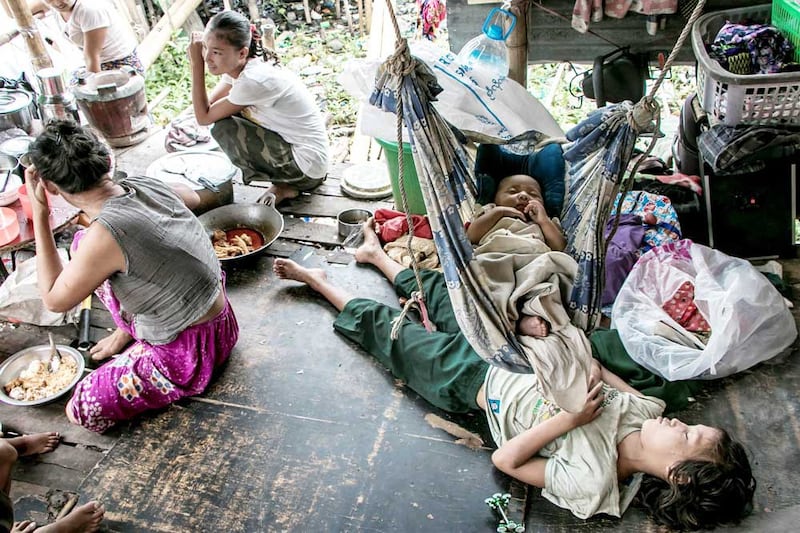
{"x": 55, "y": 357}
{"x": 5, "y": 181}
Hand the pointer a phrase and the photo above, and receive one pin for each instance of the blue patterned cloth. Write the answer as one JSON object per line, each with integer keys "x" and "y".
{"x": 598, "y": 154}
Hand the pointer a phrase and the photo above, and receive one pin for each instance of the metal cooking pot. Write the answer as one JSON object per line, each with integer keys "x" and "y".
{"x": 262, "y": 217}
{"x": 15, "y": 110}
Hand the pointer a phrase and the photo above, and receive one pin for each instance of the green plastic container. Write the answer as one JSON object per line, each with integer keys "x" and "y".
{"x": 410, "y": 181}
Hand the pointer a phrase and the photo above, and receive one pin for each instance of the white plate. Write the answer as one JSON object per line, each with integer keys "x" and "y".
{"x": 10, "y": 195}
{"x": 214, "y": 166}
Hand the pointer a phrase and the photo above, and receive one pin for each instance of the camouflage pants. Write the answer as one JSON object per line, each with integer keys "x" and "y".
{"x": 262, "y": 154}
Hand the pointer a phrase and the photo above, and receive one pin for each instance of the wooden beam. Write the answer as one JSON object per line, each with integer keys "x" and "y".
{"x": 517, "y": 45}
{"x": 30, "y": 32}
{"x": 159, "y": 36}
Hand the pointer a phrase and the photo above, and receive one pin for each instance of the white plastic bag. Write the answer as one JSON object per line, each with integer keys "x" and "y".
{"x": 472, "y": 100}
{"x": 748, "y": 317}
{"x": 20, "y": 300}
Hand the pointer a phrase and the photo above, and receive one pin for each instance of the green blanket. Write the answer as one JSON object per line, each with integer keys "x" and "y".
{"x": 609, "y": 350}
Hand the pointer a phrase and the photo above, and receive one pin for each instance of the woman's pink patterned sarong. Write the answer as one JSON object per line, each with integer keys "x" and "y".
{"x": 145, "y": 376}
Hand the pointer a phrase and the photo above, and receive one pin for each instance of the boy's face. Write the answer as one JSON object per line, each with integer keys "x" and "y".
{"x": 517, "y": 191}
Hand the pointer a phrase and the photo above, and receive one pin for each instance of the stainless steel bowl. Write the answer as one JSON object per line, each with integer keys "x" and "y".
{"x": 11, "y": 368}
{"x": 351, "y": 220}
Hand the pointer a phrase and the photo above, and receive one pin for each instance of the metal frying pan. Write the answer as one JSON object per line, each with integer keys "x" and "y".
{"x": 261, "y": 217}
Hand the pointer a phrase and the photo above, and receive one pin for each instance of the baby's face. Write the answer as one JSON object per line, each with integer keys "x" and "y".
{"x": 517, "y": 191}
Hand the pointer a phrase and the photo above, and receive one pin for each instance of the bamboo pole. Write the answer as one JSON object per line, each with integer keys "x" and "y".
{"x": 159, "y": 36}
{"x": 8, "y": 36}
{"x": 517, "y": 45}
{"x": 30, "y": 32}
{"x": 255, "y": 14}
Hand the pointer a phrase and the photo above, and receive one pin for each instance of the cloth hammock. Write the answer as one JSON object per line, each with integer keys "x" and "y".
{"x": 598, "y": 154}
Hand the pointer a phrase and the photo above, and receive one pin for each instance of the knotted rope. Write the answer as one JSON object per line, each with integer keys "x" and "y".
{"x": 399, "y": 64}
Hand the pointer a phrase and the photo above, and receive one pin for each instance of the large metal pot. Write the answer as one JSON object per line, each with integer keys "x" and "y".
{"x": 261, "y": 217}
{"x": 114, "y": 103}
{"x": 15, "y": 110}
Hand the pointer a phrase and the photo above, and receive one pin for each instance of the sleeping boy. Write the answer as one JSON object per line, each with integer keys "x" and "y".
{"x": 519, "y": 197}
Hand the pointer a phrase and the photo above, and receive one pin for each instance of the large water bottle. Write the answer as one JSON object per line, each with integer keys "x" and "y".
{"x": 488, "y": 50}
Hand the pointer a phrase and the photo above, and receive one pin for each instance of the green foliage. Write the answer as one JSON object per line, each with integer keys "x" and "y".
{"x": 306, "y": 51}
{"x": 171, "y": 72}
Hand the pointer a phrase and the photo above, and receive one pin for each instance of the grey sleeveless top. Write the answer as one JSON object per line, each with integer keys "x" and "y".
{"x": 173, "y": 275}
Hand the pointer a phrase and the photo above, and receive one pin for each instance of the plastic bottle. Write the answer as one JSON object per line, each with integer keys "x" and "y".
{"x": 488, "y": 50}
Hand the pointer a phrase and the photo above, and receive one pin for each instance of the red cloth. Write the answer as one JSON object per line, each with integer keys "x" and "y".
{"x": 682, "y": 309}
{"x": 393, "y": 224}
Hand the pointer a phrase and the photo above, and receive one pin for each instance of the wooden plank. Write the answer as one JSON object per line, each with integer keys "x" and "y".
{"x": 329, "y": 206}
{"x": 552, "y": 39}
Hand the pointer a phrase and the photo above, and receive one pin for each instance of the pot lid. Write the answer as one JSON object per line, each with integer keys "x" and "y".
{"x": 16, "y": 146}
{"x": 12, "y": 100}
{"x": 108, "y": 85}
{"x": 186, "y": 167}
{"x": 366, "y": 180}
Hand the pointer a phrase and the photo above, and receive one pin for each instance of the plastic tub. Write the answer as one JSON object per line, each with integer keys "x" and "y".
{"x": 416, "y": 205}
{"x": 9, "y": 225}
{"x": 732, "y": 98}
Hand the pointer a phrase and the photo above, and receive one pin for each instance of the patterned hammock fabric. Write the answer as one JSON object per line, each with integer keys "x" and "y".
{"x": 601, "y": 146}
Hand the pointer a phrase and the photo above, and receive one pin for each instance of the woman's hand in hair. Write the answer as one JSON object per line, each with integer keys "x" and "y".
{"x": 35, "y": 187}
{"x": 195, "y": 50}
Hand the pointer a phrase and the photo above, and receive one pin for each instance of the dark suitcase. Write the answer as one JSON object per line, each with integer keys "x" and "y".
{"x": 753, "y": 215}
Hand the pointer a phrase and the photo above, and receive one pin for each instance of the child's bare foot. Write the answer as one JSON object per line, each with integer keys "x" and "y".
{"x": 111, "y": 345}
{"x": 35, "y": 443}
{"x": 288, "y": 269}
{"x": 83, "y": 519}
{"x": 282, "y": 192}
{"x": 371, "y": 247}
{"x": 534, "y": 326}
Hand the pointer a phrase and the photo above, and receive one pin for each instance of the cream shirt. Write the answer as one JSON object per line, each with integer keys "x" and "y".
{"x": 581, "y": 471}
{"x": 88, "y": 15}
{"x": 278, "y": 100}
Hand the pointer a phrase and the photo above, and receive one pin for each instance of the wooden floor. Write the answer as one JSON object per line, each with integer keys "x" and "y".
{"x": 303, "y": 431}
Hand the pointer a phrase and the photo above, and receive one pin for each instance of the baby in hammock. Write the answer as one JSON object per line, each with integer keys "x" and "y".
{"x": 520, "y": 196}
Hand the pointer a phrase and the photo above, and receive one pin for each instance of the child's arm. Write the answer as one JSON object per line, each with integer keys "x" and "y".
{"x": 518, "y": 457}
{"x": 485, "y": 221}
{"x": 552, "y": 234}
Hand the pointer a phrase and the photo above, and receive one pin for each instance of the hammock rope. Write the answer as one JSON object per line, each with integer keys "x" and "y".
{"x": 400, "y": 63}
{"x": 650, "y": 106}
{"x": 470, "y": 297}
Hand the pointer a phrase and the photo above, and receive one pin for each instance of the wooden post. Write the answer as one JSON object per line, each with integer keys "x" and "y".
{"x": 255, "y": 14}
{"x": 368, "y": 13}
{"x": 307, "y": 11}
{"x": 30, "y": 32}
{"x": 360, "y": 7}
{"x": 268, "y": 34}
{"x": 517, "y": 45}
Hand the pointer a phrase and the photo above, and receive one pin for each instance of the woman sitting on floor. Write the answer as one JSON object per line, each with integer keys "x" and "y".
{"x": 150, "y": 261}
{"x": 695, "y": 476}
{"x": 265, "y": 119}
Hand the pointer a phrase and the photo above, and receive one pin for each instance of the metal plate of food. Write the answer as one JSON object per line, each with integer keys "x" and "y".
{"x": 26, "y": 377}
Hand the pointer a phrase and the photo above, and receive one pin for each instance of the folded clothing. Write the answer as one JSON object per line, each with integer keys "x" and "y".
{"x": 393, "y": 224}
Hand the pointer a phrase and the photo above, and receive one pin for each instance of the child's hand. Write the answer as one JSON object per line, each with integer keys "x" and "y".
{"x": 504, "y": 211}
{"x": 536, "y": 212}
{"x": 591, "y": 409}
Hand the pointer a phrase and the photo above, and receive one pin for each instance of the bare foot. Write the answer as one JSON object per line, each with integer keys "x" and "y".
{"x": 282, "y": 192}
{"x": 288, "y": 269}
{"x": 534, "y": 326}
{"x": 111, "y": 345}
{"x": 35, "y": 443}
{"x": 83, "y": 519}
{"x": 371, "y": 247}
